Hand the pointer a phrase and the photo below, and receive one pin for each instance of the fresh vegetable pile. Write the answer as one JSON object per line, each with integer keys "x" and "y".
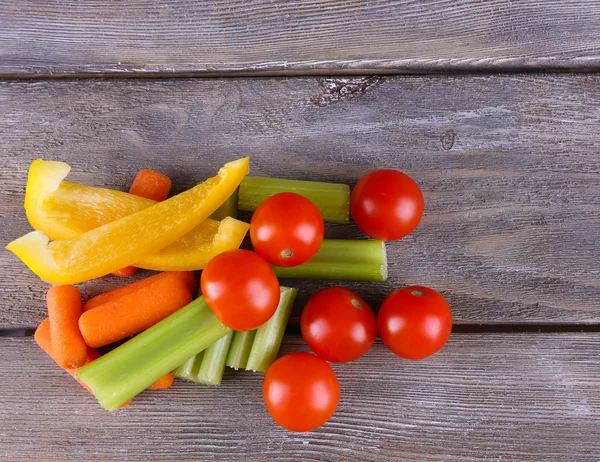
{"x": 159, "y": 328}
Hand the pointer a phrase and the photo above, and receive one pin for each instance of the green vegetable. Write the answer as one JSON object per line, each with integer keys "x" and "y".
{"x": 239, "y": 350}
{"x": 342, "y": 259}
{"x": 189, "y": 370}
{"x": 206, "y": 367}
{"x": 332, "y": 199}
{"x": 268, "y": 336}
{"x": 229, "y": 208}
{"x": 127, "y": 370}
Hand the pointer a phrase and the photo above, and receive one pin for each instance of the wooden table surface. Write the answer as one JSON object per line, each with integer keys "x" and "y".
{"x": 501, "y": 128}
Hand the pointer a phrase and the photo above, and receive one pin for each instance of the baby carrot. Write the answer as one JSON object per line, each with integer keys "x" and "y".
{"x": 125, "y": 272}
{"x": 188, "y": 277}
{"x": 43, "y": 339}
{"x": 149, "y": 184}
{"x": 164, "y": 382}
{"x": 135, "y": 312}
{"x": 64, "y": 310}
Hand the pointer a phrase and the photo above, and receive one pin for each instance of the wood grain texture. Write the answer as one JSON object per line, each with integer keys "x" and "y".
{"x": 495, "y": 397}
{"x": 179, "y": 37}
{"x": 509, "y": 166}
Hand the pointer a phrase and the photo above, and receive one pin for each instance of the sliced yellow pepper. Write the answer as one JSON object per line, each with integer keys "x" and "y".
{"x": 64, "y": 210}
{"x": 127, "y": 240}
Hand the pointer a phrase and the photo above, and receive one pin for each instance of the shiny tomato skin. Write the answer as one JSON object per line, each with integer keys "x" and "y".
{"x": 240, "y": 288}
{"x": 301, "y": 391}
{"x": 414, "y": 322}
{"x": 386, "y": 204}
{"x": 338, "y": 325}
{"x": 287, "y": 229}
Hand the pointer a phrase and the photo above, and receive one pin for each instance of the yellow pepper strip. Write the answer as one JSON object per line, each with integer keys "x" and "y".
{"x": 129, "y": 239}
{"x": 194, "y": 250}
{"x": 64, "y": 210}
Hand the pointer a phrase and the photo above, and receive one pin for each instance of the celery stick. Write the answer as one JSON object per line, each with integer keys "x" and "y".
{"x": 239, "y": 350}
{"x": 130, "y": 368}
{"x": 332, "y": 199}
{"x": 269, "y": 335}
{"x": 229, "y": 208}
{"x": 342, "y": 259}
{"x": 189, "y": 369}
{"x": 213, "y": 362}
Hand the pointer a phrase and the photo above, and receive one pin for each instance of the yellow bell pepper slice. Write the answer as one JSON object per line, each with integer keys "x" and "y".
{"x": 64, "y": 210}
{"x": 194, "y": 250}
{"x": 129, "y": 239}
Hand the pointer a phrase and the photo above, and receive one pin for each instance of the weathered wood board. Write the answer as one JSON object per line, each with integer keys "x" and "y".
{"x": 509, "y": 165}
{"x": 526, "y": 397}
{"x": 43, "y": 38}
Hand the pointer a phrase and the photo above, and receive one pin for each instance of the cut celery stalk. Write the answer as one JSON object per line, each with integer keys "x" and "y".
{"x": 229, "y": 208}
{"x": 213, "y": 362}
{"x": 342, "y": 259}
{"x": 130, "y": 368}
{"x": 332, "y": 199}
{"x": 268, "y": 336}
{"x": 241, "y": 344}
{"x": 189, "y": 369}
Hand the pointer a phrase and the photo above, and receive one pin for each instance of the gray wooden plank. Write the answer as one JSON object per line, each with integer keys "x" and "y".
{"x": 177, "y": 37}
{"x": 525, "y": 397}
{"x": 509, "y": 166}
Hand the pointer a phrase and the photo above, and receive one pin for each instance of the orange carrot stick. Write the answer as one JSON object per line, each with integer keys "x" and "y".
{"x": 43, "y": 339}
{"x": 134, "y": 312}
{"x": 64, "y": 310}
{"x": 151, "y": 185}
{"x": 125, "y": 272}
{"x": 188, "y": 277}
{"x": 164, "y": 382}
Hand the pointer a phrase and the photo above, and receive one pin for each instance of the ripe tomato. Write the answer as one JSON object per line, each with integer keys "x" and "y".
{"x": 338, "y": 325}
{"x": 241, "y": 289}
{"x": 386, "y": 204}
{"x": 414, "y": 322}
{"x": 301, "y": 391}
{"x": 287, "y": 229}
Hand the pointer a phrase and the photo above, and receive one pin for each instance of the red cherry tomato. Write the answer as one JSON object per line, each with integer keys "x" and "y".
{"x": 287, "y": 229}
{"x": 301, "y": 391}
{"x": 414, "y": 322}
{"x": 241, "y": 289}
{"x": 386, "y": 204}
{"x": 338, "y": 325}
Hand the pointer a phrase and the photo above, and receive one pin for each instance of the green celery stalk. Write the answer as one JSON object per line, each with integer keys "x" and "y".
{"x": 229, "y": 208}
{"x": 189, "y": 369}
{"x": 332, "y": 199}
{"x": 130, "y": 368}
{"x": 268, "y": 336}
{"x": 208, "y": 366}
{"x": 213, "y": 363}
{"x": 237, "y": 358}
{"x": 342, "y": 259}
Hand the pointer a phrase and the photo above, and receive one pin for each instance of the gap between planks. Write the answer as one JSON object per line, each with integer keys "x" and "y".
{"x": 456, "y": 329}
{"x": 591, "y": 67}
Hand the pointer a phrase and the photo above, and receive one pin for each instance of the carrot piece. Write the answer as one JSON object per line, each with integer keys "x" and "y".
{"x": 125, "y": 272}
{"x": 43, "y": 339}
{"x": 188, "y": 277}
{"x": 149, "y": 184}
{"x": 164, "y": 382}
{"x": 64, "y": 310}
{"x": 135, "y": 312}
